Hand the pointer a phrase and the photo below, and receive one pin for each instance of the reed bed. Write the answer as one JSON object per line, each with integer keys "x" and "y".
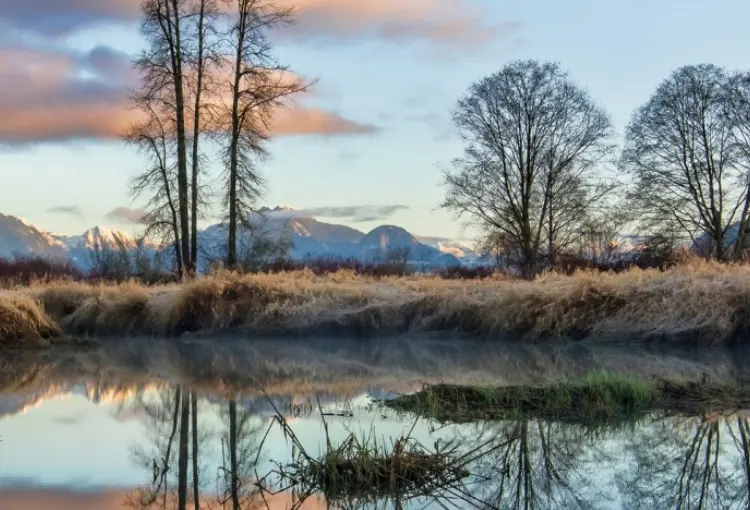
{"x": 698, "y": 302}
{"x": 362, "y": 470}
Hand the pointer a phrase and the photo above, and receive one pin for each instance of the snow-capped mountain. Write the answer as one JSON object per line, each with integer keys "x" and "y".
{"x": 389, "y": 239}
{"x": 18, "y": 237}
{"x": 308, "y": 237}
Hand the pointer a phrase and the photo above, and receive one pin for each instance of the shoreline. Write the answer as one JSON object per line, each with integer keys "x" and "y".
{"x": 700, "y": 303}
{"x": 341, "y": 366}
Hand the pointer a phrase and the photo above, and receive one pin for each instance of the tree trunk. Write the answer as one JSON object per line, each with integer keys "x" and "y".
{"x": 182, "y": 174}
{"x": 183, "y": 454}
{"x": 196, "y": 474}
{"x": 178, "y": 256}
{"x": 234, "y": 145}
{"x": 739, "y": 242}
{"x": 196, "y": 137}
{"x": 551, "y": 255}
{"x": 233, "y": 455}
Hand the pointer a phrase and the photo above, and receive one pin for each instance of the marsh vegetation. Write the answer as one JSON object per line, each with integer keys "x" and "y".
{"x": 702, "y": 303}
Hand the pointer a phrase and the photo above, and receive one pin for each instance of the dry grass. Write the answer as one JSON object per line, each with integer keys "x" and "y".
{"x": 362, "y": 470}
{"x": 699, "y": 302}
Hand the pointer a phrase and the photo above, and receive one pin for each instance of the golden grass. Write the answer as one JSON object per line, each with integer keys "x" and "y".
{"x": 699, "y": 301}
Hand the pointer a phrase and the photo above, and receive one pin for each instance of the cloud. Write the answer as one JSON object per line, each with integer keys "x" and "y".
{"x": 458, "y": 23}
{"x": 443, "y": 22}
{"x": 300, "y": 120}
{"x": 53, "y": 96}
{"x": 71, "y": 210}
{"x": 58, "y": 17}
{"x": 351, "y": 213}
{"x": 125, "y": 214}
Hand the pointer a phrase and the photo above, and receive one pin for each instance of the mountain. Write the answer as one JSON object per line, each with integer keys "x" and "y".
{"x": 458, "y": 249}
{"x": 390, "y": 239}
{"x": 20, "y": 238}
{"x": 309, "y": 238}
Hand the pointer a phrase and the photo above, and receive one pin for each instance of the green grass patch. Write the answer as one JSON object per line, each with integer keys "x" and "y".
{"x": 598, "y": 398}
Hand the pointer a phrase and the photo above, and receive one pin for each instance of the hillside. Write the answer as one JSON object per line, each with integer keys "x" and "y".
{"x": 20, "y": 238}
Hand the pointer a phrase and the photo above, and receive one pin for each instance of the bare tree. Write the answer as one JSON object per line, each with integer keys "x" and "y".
{"x": 530, "y": 133}
{"x": 163, "y": 92}
{"x": 259, "y": 83}
{"x": 204, "y": 58}
{"x": 738, "y": 113}
{"x": 681, "y": 151}
{"x": 161, "y": 219}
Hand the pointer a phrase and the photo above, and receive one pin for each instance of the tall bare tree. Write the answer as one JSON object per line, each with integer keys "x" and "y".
{"x": 258, "y": 86}
{"x": 160, "y": 66}
{"x": 203, "y": 60}
{"x": 681, "y": 150}
{"x": 530, "y": 133}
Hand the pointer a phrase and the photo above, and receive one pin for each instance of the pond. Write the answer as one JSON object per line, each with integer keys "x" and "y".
{"x": 300, "y": 424}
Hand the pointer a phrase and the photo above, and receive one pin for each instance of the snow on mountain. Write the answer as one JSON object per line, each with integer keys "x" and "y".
{"x": 389, "y": 238}
{"x": 309, "y": 238}
{"x": 18, "y": 237}
{"x": 459, "y": 249}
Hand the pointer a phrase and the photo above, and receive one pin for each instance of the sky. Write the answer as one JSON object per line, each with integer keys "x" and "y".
{"x": 375, "y": 134}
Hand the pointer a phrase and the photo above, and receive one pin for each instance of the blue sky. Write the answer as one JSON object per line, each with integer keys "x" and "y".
{"x": 403, "y": 80}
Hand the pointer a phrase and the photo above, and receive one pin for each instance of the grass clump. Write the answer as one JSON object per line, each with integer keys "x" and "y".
{"x": 24, "y": 324}
{"x": 364, "y": 470}
{"x": 599, "y": 398}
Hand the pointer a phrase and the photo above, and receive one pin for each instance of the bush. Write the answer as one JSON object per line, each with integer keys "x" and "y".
{"x": 467, "y": 273}
{"x": 25, "y": 269}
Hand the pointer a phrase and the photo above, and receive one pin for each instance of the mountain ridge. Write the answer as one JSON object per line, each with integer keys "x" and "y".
{"x": 310, "y": 238}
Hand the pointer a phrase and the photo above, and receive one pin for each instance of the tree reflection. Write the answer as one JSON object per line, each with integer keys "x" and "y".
{"x": 242, "y": 440}
{"x": 177, "y": 439}
{"x": 690, "y": 463}
{"x": 162, "y": 413}
{"x": 532, "y": 464}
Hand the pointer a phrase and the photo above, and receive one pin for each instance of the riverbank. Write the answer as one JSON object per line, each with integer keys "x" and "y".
{"x": 697, "y": 303}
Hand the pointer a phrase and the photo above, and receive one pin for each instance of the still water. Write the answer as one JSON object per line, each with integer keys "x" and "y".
{"x": 104, "y": 428}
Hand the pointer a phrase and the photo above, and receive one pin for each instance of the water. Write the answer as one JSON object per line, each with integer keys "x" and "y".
{"x": 98, "y": 428}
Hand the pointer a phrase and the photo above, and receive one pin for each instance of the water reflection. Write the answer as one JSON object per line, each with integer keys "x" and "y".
{"x": 179, "y": 432}
{"x": 180, "y": 442}
{"x": 201, "y": 453}
{"x": 690, "y": 463}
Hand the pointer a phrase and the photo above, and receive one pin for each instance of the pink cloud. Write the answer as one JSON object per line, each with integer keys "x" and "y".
{"x": 45, "y": 98}
{"x": 454, "y": 22}
{"x": 300, "y": 120}
{"x": 446, "y": 22}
